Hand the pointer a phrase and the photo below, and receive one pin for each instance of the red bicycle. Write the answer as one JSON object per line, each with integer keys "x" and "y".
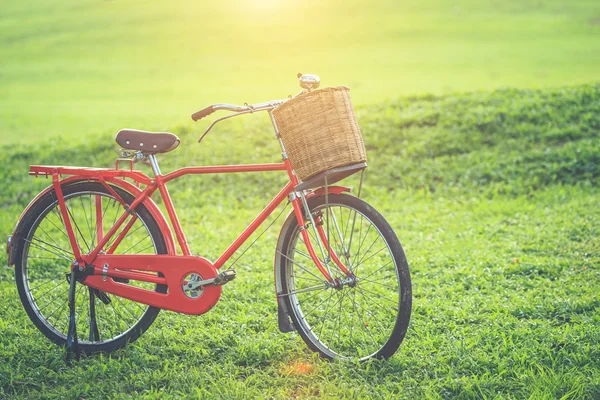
{"x": 94, "y": 253}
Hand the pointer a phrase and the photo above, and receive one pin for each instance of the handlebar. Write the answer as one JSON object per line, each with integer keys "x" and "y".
{"x": 237, "y": 110}
{"x": 269, "y": 105}
{"x": 307, "y": 81}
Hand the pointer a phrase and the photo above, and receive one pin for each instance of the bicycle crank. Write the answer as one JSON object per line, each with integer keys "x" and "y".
{"x": 193, "y": 285}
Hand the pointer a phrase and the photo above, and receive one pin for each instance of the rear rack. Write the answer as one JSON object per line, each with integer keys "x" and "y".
{"x": 49, "y": 170}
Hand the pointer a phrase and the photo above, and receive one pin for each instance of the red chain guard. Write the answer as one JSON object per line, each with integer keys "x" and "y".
{"x": 173, "y": 268}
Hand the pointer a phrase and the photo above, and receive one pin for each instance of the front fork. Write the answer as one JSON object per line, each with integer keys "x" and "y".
{"x": 299, "y": 204}
{"x": 322, "y": 241}
{"x": 298, "y": 200}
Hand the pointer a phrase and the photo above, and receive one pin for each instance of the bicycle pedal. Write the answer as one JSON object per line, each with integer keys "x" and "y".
{"x": 224, "y": 277}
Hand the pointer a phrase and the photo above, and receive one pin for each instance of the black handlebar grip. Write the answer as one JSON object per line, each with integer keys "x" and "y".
{"x": 203, "y": 113}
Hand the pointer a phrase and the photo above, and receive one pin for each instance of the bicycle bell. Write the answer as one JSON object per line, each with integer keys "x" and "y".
{"x": 309, "y": 81}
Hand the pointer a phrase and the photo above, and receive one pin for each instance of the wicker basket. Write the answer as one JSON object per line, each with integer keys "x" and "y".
{"x": 320, "y": 133}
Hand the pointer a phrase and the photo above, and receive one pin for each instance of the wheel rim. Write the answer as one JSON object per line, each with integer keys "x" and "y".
{"x": 354, "y": 321}
{"x": 47, "y": 258}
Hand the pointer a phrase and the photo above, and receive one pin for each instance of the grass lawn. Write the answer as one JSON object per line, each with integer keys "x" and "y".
{"x": 482, "y": 125}
{"x": 495, "y": 199}
{"x": 92, "y": 67}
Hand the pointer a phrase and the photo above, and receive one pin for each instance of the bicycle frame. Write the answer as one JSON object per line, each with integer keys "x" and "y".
{"x": 166, "y": 267}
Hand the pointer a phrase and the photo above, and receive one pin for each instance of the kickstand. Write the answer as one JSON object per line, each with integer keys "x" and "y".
{"x": 94, "y": 334}
{"x": 72, "y": 343}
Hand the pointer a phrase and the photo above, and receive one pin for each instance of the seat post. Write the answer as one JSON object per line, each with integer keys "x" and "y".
{"x": 154, "y": 164}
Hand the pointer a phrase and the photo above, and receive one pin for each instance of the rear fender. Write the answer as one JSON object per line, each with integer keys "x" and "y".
{"x": 128, "y": 187}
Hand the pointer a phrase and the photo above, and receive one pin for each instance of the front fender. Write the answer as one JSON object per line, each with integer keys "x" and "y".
{"x": 128, "y": 187}
{"x": 330, "y": 189}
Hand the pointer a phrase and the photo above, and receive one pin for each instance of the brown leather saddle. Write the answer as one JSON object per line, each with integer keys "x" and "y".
{"x": 148, "y": 142}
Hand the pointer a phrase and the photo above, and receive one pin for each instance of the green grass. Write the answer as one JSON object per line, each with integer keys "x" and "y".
{"x": 92, "y": 67}
{"x": 495, "y": 198}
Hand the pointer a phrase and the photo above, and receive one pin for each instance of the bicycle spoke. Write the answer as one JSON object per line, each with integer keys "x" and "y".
{"x": 140, "y": 241}
{"x": 48, "y": 291}
{"x": 94, "y": 218}
{"x": 354, "y": 309}
{"x": 57, "y": 212}
{"x": 115, "y": 237}
{"x": 309, "y": 311}
{"x": 93, "y": 211}
{"x": 301, "y": 267}
{"x": 105, "y": 209}
{"x": 135, "y": 318}
{"x": 104, "y": 326}
{"x": 53, "y": 292}
{"x": 308, "y": 289}
{"x": 366, "y": 324}
{"x": 343, "y": 247}
{"x": 377, "y": 270}
{"x": 362, "y": 281}
{"x": 383, "y": 278}
{"x": 344, "y": 227}
{"x": 50, "y": 303}
{"x": 46, "y": 258}
{"x": 49, "y": 237}
{"x": 59, "y": 307}
{"x": 335, "y": 328}
{"x": 362, "y": 241}
{"x": 144, "y": 249}
{"x": 367, "y": 252}
{"x": 340, "y": 316}
{"x": 305, "y": 278}
{"x": 87, "y": 221}
{"x": 363, "y": 290}
{"x": 371, "y": 315}
{"x": 116, "y": 213}
{"x": 326, "y": 314}
{"x": 78, "y": 230}
{"x": 352, "y": 230}
{"x": 41, "y": 285}
{"x": 372, "y": 255}
{"x": 302, "y": 253}
{"x": 49, "y": 251}
{"x": 61, "y": 230}
{"x": 306, "y": 315}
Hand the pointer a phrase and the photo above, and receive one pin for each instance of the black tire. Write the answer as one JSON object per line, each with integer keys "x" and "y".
{"x": 372, "y": 299}
{"x": 54, "y": 265}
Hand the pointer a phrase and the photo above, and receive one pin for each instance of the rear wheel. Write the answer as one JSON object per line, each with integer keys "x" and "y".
{"x": 44, "y": 257}
{"x": 366, "y": 317}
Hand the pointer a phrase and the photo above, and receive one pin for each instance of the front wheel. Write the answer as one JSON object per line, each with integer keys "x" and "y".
{"x": 365, "y": 316}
